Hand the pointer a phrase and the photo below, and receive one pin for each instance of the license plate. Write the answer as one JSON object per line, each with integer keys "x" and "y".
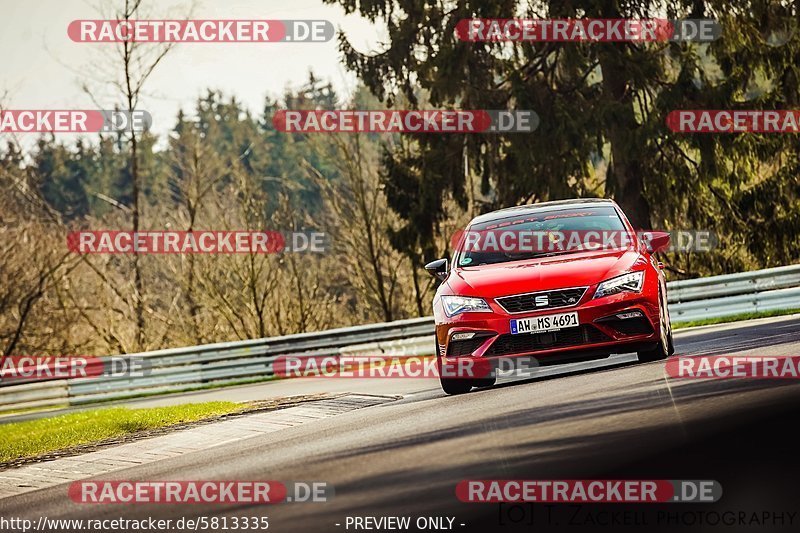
{"x": 544, "y": 323}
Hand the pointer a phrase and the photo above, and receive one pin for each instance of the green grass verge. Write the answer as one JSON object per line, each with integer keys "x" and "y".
{"x": 734, "y": 318}
{"x": 36, "y": 437}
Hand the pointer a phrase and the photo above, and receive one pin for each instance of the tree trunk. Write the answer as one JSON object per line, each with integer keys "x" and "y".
{"x": 137, "y": 271}
{"x": 625, "y": 179}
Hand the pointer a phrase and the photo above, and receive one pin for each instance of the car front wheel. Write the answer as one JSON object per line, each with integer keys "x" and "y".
{"x": 664, "y": 347}
{"x": 455, "y": 386}
{"x": 451, "y": 385}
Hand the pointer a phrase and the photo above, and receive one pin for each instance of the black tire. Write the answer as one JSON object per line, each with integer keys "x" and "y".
{"x": 655, "y": 354}
{"x": 663, "y": 348}
{"x": 456, "y": 386}
{"x": 670, "y": 343}
{"x": 451, "y": 386}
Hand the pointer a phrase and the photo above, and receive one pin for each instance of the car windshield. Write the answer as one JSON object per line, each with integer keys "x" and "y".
{"x": 549, "y": 233}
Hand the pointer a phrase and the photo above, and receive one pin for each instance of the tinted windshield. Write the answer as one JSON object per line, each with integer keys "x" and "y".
{"x": 548, "y": 233}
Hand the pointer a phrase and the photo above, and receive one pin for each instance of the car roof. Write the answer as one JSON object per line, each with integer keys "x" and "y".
{"x": 542, "y": 207}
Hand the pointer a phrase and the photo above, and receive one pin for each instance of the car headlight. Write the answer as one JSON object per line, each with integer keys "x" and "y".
{"x": 454, "y": 305}
{"x": 630, "y": 282}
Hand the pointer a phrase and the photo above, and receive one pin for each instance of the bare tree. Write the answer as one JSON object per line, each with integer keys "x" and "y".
{"x": 126, "y": 69}
{"x": 360, "y": 223}
{"x": 196, "y": 169}
{"x": 32, "y": 262}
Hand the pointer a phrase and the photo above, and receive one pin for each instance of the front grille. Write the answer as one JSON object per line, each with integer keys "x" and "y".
{"x": 466, "y": 346}
{"x": 535, "y": 301}
{"x": 512, "y": 344}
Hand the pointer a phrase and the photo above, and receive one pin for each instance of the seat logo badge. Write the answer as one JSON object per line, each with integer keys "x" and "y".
{"x": 542, "y": 301}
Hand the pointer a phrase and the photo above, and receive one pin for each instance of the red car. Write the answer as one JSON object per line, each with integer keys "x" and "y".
{"x": 509, "y": 291}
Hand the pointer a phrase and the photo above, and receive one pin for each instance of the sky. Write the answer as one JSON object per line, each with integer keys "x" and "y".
{"x": 43, "y": 69}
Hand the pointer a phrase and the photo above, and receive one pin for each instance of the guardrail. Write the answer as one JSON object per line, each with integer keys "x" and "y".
{"x": 224, "y": 363}
{"x": 732, "y": 294}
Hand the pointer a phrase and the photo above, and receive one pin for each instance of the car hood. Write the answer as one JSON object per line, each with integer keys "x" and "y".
{"x": 569, "y": 270}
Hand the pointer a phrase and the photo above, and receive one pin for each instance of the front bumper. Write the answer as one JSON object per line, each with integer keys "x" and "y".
{"x": 600, "y": 332}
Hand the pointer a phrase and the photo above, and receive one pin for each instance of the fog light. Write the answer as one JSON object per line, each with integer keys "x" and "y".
{"x": 462, "y": 336}
{"x": 630, "y": 314}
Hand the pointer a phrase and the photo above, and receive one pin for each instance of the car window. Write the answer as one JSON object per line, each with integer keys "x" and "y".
{"x": 543, "y": 234}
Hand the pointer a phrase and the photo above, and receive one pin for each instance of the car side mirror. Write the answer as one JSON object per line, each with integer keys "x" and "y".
{"x": 658, "y": 241}
{"x": 438, "y": 268}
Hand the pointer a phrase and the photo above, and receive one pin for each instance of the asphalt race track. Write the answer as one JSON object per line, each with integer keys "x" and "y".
{"x": 625, "y": 421}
